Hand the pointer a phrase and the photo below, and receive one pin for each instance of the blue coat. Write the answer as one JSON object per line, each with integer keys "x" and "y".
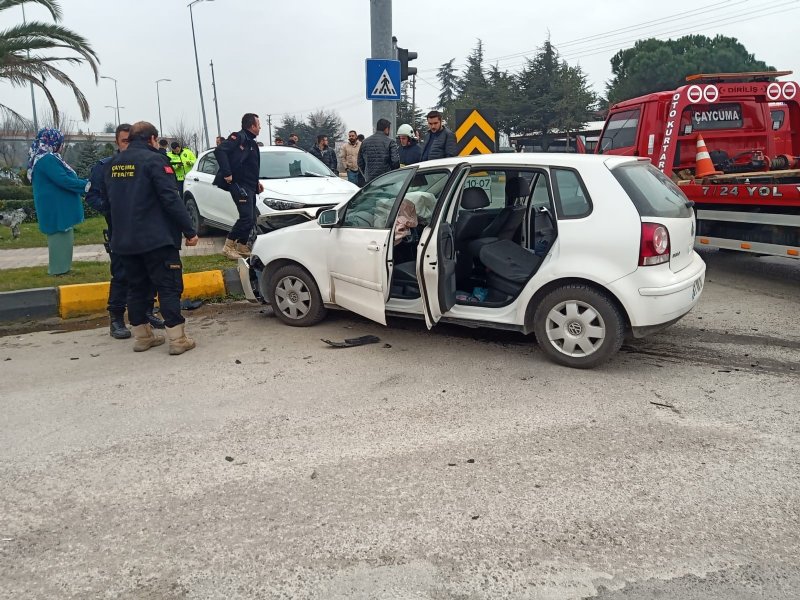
{"x": 57, "y": 195}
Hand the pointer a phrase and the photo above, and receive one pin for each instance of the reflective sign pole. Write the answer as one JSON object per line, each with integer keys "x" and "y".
{"x": 380, "y": 20}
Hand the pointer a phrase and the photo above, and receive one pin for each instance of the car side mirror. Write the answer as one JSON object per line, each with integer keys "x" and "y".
{"x": 328, "y": 218}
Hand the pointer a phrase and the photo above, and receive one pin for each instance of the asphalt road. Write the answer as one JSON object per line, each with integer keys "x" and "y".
{"x": 454, "y": 464}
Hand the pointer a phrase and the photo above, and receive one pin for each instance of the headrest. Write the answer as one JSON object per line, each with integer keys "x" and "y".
{"x": 474, "y": 197}
{"x": 517, "y": 187}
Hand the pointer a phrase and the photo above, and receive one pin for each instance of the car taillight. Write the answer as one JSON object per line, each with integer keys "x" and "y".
{"x": 654, "y": 248}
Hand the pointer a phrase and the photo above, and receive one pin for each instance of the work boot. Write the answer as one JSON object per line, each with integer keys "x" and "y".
{"x": 242, "y": 249}
{"x": 145, "y": 338}
{"x": 156, "y": 322}
{"x": 229, "y": 250}
{"x": 178, "y": 341}
{"x": 117, "y": 326}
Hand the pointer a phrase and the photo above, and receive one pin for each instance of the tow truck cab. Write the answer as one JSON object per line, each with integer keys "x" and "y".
{"x": 738, "y": 115}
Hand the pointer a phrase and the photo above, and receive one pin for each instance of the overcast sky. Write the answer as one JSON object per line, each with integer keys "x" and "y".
{"x": 291, "y": 57}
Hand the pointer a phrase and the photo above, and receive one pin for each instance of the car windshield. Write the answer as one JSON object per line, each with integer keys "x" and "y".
{"x": 289, "y": 164}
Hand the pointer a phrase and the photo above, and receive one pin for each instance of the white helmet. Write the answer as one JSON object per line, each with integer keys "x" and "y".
{"x": 405, "y": 129}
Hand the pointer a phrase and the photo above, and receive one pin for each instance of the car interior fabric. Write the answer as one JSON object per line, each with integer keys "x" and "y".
{"x": 510, "y": 265}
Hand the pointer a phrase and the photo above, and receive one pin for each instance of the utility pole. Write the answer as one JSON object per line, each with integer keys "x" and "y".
{"x": 216, "y": 105}
{"x": 414, "y": 101}
{"x": 269, "y": 124}
{"x": 33, "y": 96}
{"x": 199, "y": 81}
{"x": 380, "y": 21}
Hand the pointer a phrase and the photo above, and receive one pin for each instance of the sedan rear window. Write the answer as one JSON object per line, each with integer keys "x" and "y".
{"x": 653, "y": 193}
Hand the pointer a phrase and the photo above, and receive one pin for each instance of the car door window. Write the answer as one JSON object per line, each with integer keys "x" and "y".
{"x": 571, "y": 195}
{"x": 373, "y": 205}
{"x": 208, "y": 164}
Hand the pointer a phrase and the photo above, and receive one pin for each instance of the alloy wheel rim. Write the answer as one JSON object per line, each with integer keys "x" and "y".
{"x": 575, "y": 328}
{"x": 292, "y": 297}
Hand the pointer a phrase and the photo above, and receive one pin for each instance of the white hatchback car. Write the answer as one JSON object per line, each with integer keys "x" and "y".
{"x": 578, "y": 249}
{"x": 292, "y": 179}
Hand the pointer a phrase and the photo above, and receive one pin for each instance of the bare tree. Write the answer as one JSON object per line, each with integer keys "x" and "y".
{"x": 186, "y": 135}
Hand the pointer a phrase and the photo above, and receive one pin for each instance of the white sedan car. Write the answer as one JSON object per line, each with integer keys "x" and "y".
{"x": 578, "y": 249}
{"x": 292, "y": 179}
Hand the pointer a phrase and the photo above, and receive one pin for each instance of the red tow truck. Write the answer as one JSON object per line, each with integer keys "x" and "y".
{"x": 749, "y": 122}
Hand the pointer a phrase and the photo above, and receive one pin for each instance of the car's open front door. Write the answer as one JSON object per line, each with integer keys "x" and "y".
{"x": 436, "y": 261}
{"x": 359, "y": 251}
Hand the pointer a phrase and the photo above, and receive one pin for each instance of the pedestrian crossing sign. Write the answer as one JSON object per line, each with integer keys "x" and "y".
{"x": 383, "y": 79}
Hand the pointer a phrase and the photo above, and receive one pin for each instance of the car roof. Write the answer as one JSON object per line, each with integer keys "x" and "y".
{"x": 265, "y": 149}
{"x": 551, "y": 159}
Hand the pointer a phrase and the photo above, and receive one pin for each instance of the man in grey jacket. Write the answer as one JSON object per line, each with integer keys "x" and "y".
{"x": 440, "y": 141}
{"x": 379, "y": 153}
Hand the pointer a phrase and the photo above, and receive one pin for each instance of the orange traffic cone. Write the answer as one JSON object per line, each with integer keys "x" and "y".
{"x": 704, "y": 167}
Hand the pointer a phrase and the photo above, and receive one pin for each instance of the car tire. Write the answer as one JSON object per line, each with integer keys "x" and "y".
{"x": 294, "y": 297}
{"x": 197, "y": 219}
{"x": 578, "y": 326}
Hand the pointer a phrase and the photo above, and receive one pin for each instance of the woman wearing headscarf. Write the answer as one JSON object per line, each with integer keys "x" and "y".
{"x": 57, "y": 192}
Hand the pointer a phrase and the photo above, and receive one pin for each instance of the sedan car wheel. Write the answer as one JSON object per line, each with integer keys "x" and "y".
{"x": 295, "y": 297}
{"x": 194, "y": 215}
{"x": 578, "y": 326}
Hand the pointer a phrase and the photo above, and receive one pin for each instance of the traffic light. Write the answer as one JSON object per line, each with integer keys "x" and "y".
{"x": 404, "y": 56}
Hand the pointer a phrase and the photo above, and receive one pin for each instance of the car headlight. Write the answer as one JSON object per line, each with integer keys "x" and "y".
{"x": 276, "y": 204}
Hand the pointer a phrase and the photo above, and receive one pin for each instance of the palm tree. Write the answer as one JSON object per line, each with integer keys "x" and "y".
{"x": 23, "y": 62}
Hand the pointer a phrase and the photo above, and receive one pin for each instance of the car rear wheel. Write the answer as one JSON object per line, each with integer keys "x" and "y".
{"x": 294, "y": 297}
{"x": 198, "y": 222}
{"x": 578, "y": 326}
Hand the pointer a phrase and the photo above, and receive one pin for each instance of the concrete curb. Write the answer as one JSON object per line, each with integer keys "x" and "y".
{"x": 69, "y": 301}
{"x": 28, "y": 304}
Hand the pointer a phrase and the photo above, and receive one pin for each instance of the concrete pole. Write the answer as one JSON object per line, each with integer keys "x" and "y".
{"x": 380, "y": 20}
{"x": 216, "y": 104}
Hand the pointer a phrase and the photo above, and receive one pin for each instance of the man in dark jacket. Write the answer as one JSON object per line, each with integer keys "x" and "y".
{"x": 239, "y": 164}
{"x": 97, "y": 198}
{"x": 325, "y": 153}
{"x": 149, "y": 218}
{"x": 378, "y": 153}
{"x": 440, "y": 141}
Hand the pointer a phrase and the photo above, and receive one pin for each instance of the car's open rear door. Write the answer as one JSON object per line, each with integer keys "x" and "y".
{"x": 436, "y": 260}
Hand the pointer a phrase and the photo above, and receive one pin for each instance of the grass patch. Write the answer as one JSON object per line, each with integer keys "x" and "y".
{"x": 93, "y": 272}
{"x": 88, "y": 232}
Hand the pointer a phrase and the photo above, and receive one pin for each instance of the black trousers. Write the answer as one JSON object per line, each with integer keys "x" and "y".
{"x": 118, "y": 288}
{"x": 240, "y": 232}
{"x": 160, "y": 269}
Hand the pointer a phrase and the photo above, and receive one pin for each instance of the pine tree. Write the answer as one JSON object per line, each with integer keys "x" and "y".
{"x": 88, "y": 154}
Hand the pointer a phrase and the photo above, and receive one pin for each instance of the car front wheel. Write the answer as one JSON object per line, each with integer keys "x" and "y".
{"x": 294, "y": 297}
{"x": 578, "y": 326}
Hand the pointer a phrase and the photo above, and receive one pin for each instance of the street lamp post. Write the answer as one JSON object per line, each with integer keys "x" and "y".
{"x": 158, "y": 97}
{"x": 116, "y": 93}
{"x": 115, "y": 109}
{"x": 33, "y": 96}
{"x": 197, "y": 64}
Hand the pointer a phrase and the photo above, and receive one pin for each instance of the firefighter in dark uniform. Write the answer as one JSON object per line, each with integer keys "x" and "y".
{"x": 149, "y": 219}
{"x": 239, "y": 162}
{"x": 118, "y": 289}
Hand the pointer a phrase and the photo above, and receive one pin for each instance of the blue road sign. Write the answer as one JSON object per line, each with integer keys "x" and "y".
{"x": 383, "y": 79}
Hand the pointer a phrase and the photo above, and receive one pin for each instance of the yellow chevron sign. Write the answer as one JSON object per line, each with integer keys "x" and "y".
{"x": 475, "y": 131}
{"x": 472, "y": 145}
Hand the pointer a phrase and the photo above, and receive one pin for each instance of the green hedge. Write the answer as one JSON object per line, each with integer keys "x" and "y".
{"x": 16, "y": 192}
{"x": 30, "y": 209}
